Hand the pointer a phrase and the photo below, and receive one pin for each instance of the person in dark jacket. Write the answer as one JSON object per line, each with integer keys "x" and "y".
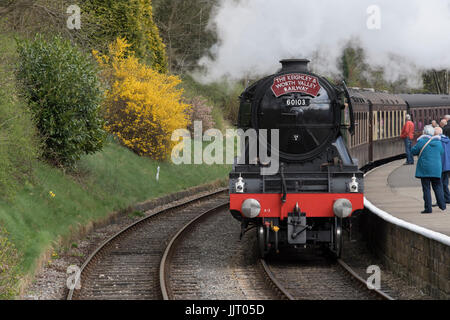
{"x": 429, "y": 167}
{"x": 446, "y": 128}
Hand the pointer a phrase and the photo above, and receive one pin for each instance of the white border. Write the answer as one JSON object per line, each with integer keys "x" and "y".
{"x": 437, "y": 236}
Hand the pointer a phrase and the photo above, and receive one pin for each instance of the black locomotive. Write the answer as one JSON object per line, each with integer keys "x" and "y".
{"x": 317, "y": 183}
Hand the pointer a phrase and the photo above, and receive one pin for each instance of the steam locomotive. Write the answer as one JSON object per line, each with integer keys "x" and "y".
{"x": 318, "y": 183}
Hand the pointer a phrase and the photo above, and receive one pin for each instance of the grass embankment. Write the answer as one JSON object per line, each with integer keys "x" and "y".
{"x": 107, "y": 181}
{"x": 43, "y": 204}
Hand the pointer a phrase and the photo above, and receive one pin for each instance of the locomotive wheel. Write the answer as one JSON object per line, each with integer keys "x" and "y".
{"x": 338, "y": 239}
{"x": 262, "y": 245}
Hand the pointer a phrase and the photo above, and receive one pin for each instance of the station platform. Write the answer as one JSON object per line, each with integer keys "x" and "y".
{"x": 394, "y": 189}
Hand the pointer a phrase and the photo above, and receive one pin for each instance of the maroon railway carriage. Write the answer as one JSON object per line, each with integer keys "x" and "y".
{"x": 425, "y": 108}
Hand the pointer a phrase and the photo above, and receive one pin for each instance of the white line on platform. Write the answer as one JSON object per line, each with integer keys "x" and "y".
{"x": 437, "y": 236}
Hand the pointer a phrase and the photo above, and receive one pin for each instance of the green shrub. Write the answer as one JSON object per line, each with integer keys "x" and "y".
{"x": 64, "y": 94}
{"x": 19, "y": 143}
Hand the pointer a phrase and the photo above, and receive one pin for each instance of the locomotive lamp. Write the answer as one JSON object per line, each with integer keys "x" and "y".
{"x": 240, "y": 185}
{"x": 251, "y": 208}
{"x": 342, "y": 208}
{"x": 353, "y": 185}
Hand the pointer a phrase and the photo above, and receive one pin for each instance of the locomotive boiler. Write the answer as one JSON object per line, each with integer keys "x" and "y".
{"x": 318, "y": 183}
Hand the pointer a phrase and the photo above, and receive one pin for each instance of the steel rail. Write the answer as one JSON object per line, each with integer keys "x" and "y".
{"x": 274, "y": 283}
{"x": 164, "y": 267}
{"x": 129, "y": 228}
{"x": 378, "y": 292}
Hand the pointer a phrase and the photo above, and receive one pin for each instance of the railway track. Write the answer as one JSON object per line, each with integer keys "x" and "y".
{"x": 126, "y": 265}
{"x": 321, "y": 278}
{"x": 192, "y": 253}
{"x": 183, "y": 274}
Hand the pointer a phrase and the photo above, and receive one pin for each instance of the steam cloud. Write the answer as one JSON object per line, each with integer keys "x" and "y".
{"x": 253, "y": 35}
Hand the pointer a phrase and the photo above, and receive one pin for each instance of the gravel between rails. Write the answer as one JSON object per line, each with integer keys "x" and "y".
{"x": 212, "y": 264}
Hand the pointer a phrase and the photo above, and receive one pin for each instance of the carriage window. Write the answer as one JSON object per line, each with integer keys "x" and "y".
{"x": 380, "y": 125}
{"x": 374, "y": 125}
{"x": 390, "y": 123}
{"x": 420, "y": 120}
{"x": 363, "y": 136}
{"x": 397, "y": 123}
{"x": 394, "y": 122}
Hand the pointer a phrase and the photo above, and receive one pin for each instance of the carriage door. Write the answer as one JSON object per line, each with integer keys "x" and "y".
{"x": 371, "y": 125}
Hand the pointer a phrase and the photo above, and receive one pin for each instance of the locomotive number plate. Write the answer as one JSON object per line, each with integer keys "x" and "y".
{"x": 295, "y": 102}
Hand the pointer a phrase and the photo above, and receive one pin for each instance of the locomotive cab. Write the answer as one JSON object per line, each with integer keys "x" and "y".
{"x": 318, "y": 183}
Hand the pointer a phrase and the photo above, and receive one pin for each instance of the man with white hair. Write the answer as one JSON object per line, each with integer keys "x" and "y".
{"x": 429, "y": 167}
{"x": 407, "y": 135}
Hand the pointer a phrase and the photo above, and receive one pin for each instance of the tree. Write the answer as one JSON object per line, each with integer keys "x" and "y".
{"x": 129, "y": 19}
{"x": 183, "y": 26}
{"x": 436, "y": 81}
{"x": 353, "y": 66}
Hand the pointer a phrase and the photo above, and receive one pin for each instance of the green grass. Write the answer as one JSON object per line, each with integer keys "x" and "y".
{"x": 31, "y": 219}
{"x": 18, "y": 143}
{"x": 104, "y": 182}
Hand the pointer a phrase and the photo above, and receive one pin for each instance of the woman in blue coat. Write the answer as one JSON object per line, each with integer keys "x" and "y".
{"x": 429, "y": 167}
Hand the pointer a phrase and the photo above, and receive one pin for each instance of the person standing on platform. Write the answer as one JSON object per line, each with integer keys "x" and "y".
{"x": 446, "y": 128}
{"x": 445, "y": 163}
{"x": 443, "y": 123}
{"x": 408, "y": 135}
{"x": 429, "y": 167}
{"x": 434, "y": 123}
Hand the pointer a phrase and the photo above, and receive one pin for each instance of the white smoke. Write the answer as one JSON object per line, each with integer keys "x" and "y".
{"x": 253, "y": 35}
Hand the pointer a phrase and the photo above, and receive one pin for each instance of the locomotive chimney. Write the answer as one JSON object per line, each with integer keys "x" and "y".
{"x": 294, "y": 65}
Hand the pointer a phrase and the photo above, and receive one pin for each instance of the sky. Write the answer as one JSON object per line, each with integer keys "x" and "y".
{"x": 403, "y": 36}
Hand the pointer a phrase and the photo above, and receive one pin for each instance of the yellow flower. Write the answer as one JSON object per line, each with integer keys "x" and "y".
{"x": 144, "y": 106}
{"x": 51, "y": 194}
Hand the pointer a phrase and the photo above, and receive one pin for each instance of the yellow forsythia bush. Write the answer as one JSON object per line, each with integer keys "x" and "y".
{"x": 142, "y": 107}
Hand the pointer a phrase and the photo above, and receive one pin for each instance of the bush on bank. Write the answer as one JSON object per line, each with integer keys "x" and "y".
{"x": 200, "y": 111}
{"x": 61, "y": 86}
{"x": 142, "y": 106}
